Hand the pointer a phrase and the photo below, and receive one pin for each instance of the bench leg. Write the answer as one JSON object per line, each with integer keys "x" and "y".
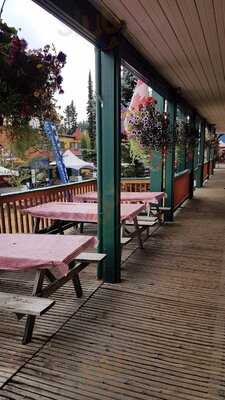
{"x": 30, "y": 322}
{"x": 77, "y": 285}
{"x": 28, "y": 331}
{"x": 138, "y": 232}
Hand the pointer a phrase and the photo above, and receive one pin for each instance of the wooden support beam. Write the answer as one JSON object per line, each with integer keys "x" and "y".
{"x": 108, "y": 150}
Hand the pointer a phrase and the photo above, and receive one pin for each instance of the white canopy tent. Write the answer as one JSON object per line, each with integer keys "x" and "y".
{"x": 74, "y": 162}
{"x": 8, "y": 172}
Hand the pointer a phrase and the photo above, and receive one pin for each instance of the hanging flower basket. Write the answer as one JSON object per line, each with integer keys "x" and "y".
{"x": 28, "y": 79}
{"x": 149, "y": 126}
{"x": 210, "y": 138}
{"x": 180, "y": 134}
{"x": 185, "y": 134}
{"x": 191, "y": 136}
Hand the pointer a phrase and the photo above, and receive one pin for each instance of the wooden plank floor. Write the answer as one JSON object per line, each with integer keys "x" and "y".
{"x": 160, "y": 334}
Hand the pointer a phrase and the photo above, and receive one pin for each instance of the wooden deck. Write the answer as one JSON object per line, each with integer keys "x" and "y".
{"x": 160, "y": 334}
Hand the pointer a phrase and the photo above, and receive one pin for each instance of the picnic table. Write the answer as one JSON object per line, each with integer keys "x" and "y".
{"x": 55, "y": 257}
{"x": 142, "y": 197}
{"x": 151, "y": 200}
{"x": 83, "y": 213}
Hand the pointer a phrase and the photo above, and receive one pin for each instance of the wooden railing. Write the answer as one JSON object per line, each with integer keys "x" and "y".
{"x": 206, "y": 170}
{"x": 12, "y": 220}
{"x": 135, "y": 184}
{"x": 181, "y": 187}
{"x": 211, "y": 167}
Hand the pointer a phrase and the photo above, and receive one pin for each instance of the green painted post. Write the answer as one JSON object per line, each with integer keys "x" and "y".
{"x": 201, "y": 155}
{"x": 191, "y": 161}
{"x": 108, "y": 158}
{"x": 156, "y": 169}
{"x": 169, "y": 162}
{"x": 181, "y": 162}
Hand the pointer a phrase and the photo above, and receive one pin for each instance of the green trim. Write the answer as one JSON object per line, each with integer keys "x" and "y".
{"x": 156, "y": 165}
{"x": 169, "y": 162}
{"x": 201, "y": 155}
{"x": 181, "y": 173}
{"x": 108, "y": 142}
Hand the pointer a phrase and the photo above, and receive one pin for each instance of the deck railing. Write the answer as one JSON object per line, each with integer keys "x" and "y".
{"x": 181, "y": 187}
{"x": 12, "y": 219}
{"x": 206, "y": 170}
{"x": 135, "y": 184}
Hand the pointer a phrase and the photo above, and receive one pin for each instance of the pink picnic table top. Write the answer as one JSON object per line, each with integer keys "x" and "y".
{"x": 144, "y": 197}
{"x": 80, "y": 212}
{"x": 26, "y": 251}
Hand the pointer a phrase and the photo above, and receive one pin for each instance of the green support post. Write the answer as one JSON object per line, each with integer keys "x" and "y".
{"x": 191, "y": 157}
{"x": 169, "y": 162}
{"x": 181, "y": 162}
{"x": 212, "y": 159}
{"x": 108, "y": 159}
{"x": 208, "y": 159}
{"x": 156, "y": 169}
{"x": 201, "y": 155}
{"x": 196, "y": 160}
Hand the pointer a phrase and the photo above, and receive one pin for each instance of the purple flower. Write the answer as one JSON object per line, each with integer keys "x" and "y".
{"x": 48, "y": 58}
{"x": 59, "y": 79}
{"x": 61, "y": 57}
{"x": 23, "y": 44}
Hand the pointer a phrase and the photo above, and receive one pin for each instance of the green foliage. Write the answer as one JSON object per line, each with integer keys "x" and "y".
{"x": 83, "y": 125}
{"x": 85, "y": 144}
{"x": 28, "y": 79}
{"x": 25, "y": 139}
{"x": 137, "y": 152}
{"x": 91, "y": 112}
{"x": 70, "y": 120}
{"x": 18, "y": 180}
{"x": 128, "y": 83}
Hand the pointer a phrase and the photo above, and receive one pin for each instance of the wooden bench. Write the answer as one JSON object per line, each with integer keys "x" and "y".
{"x": 24, "y": 304}
{"x": 159, "y": 212}
{"x": 125, "y": 240}
{"x": 37, "y": 304}
{"x": 91, "y": 257}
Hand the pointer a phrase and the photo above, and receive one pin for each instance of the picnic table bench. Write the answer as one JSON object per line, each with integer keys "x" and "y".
{"x": 55, "y": 258}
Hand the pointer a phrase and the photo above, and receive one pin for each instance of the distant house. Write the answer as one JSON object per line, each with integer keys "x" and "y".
{"x": 71, "y": 142}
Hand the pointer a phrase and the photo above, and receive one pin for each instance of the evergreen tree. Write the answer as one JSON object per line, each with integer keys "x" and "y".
{"x": 91, "y": 112}
{"x": 70, "y": 120}
{"x": 83, "y": 125}
{"x": 128, "y": 83}
{"x": 85, "y": 145}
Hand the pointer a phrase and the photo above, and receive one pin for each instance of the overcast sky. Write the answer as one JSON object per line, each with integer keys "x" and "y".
{"x": 39, "y": 28}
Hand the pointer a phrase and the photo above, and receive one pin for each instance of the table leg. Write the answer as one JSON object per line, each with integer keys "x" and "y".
{"x": 81, "y": 227}
{"x": 29, "y": 327}
{"x": 138, "y": 232}
{"x": 77, "y": 285}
